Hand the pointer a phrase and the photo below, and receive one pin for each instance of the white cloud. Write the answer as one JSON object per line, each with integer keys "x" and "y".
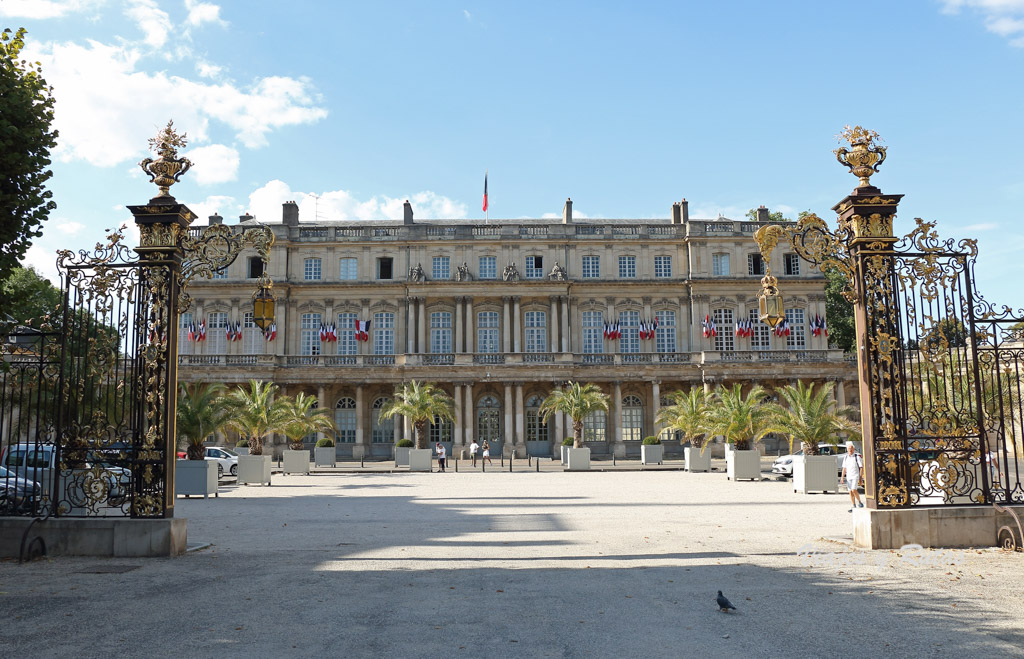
{"x": 207, "y": 70}
{"x": 265, "y": 205}
{"x": 44, "y": 261}
{"x": 213, "y": 164}
{"x": 1002, "y": 17}
{"x": 38, "y": 9}
{"x": 153, "y": 21}
{"x": 984, "y": 226}
{"x": 69, "y": 228}
{"x": 202, "y": 12}
{"x": 465, "y": 12}
{"x": 109, "y": 107}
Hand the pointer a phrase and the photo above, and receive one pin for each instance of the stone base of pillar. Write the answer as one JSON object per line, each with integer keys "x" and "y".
{"x": 359, "y": 451}
{"x": 619, "y": 450}
{"x": 521, "y": 451}
{"x": 506, "y": 449}
{"x": 953, "y": 526}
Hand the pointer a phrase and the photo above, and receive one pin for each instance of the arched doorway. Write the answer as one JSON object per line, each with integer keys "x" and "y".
{"x": 382, "y": 433}
{"x": 537, "y": 434}
{"x": 488, "y": 424}
{"x": 345, "y": 420}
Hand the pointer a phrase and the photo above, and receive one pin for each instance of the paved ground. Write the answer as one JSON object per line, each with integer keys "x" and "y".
{"x": 614, "y": 564}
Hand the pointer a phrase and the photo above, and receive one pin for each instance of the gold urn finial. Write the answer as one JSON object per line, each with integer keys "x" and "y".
{"x": 770, "y": 305}
{"x": 168, "y": 168}
{"x": 864, "y": 156}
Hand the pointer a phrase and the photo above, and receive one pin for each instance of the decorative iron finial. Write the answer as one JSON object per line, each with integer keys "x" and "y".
{"x": 864, "y": 156}
{"x": 168, "y": 168}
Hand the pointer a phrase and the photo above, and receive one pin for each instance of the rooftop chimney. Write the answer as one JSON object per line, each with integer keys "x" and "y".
{"x": 407, "y": 218}
{"x": 762, "y": 214}
{"x": 245, "y": 218}
{"x": 677, "y": 213}
{"x": 290, "y": 213}
{"x": 567, "y": 211}
{"x": 685, "y": 206}
{"x": 216, "y": 219}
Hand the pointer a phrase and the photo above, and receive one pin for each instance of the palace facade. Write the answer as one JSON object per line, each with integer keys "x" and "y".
{"x": 500, "y": 312}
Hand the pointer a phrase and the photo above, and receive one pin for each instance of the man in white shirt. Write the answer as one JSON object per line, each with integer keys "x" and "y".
{"x": 852, "y": 466}
{"x": 442, "y": 456}
{"x": 473, "y": 448}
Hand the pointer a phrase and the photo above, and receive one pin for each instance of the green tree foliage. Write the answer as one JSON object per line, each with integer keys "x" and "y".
{"x": 302, "y": 417}
{"x": 741, "y": 420}
{"x": 577, "y": 401}
{"x": 420, "y": 403}
{"x": 26, "y": 297}
{"x": 947, "y": 333}
{"x": 688, "y": 414}
{"x": 26, "y": 112}
{"x": 254, "y": 413}
{"x": 811, "y": 417}
{"x": 202, "y": 410}
{"x": 842, "y": 330}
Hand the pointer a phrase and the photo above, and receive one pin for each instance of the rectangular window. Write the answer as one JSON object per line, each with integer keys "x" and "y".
{"x": 627, "y": 267}
{"x": 797, "y": 338}
{"x": 755, "y": 265}
{"x": 348, "y": 269}
{"x": 594, "y": 426}
{"x": 665, "y": 334}
{"x": 221, "y": 274}
{"x": 347, "y": 344}
{"x": 593, "y": 332}
{"x": 488, "y": 268}
{"x": 255, "y": 268}
{"x": 252, "y": 336}
{"x": 662, "y": 267}
{"x": 441, "y": 332}
{"x": 185, "y": 347}
{"x": 441, "y": 269}
{"x": 216, "y": 339}
{"x": 487, "y": 331}
{"x": 724, "y": 338}
{"x": 311, "y": 269}
{"x": 536, "y": 331}
{"x": 309, "y": 334}
{"x": 384, "y": 268}
{"x": 591, "y": 267}
{"x": 760, "y": 339}
{"x": 534, "y": 267}
{"x": 720, "y": 265}
{"x": 629, "y": 326}
{"x": 792, "y": 264}
{"x": 383, "y": 333}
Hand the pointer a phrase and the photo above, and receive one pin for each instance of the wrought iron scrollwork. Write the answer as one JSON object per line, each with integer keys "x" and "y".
{"x": 215, "y": 248}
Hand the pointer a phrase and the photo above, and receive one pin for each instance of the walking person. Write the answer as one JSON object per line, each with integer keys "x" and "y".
{"x": 442, "y": 457}
{"x": 487, "y": 453}
{"x": 473, "y": 449}
{"x": 852, "y": 471}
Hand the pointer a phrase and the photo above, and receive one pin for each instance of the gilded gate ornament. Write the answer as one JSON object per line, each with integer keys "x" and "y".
{"x": 864, "y": 156}
{"x": 168, "y": 168}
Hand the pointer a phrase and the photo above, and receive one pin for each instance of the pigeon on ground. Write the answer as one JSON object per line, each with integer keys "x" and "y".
{"x": 723, "y": 603}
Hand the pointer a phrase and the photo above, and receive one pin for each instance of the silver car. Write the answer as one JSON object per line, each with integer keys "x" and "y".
{"x": 784, "y": 465}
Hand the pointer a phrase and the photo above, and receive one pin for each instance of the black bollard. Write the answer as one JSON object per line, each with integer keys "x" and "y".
{"x": 613, "y": 459}
{"x": 483, "y": 466}
{"x": 361, "y": 465}
{"x": 503, "y": 459}
{"x": 510, "y": 464}
{"x": 537, "y": 463}
{"x": 456, "y": 465}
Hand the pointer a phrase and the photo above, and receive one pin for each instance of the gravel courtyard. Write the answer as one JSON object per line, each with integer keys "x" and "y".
{"x": 551, "y": 564}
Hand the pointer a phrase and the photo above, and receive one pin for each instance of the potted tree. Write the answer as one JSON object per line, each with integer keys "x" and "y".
{"x": 200, "y": 412}
{"x": 242, "y": 447}
{"x": 301, "y": 418}
{"x": 402, "y": 448}
{"x": 812, "y": 418}
{"x": 689, "y": 415}
{"x": 651, "y": 451}
{"x": 254, "y": 414}
{"x": 421, "y": 404}
{"x": 742, "y": 421}
{"x": 325, "y": 454}
{"x": 577, "y": 401}
{"x": 566, "y": 445}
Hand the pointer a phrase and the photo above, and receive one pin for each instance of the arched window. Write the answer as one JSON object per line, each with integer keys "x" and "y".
{"x": 382, "y": 432}
{"x": 536, "y": 429}
{"x": 632, "y": 419}
{"x": 595, "y": 425}
{"x": 488, "y": 420}
{"x": 345, "y": 419}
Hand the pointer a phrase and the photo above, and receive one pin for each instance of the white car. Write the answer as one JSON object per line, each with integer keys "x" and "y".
{"x": 227, "y": 461}
{"x": 784, "y": 464}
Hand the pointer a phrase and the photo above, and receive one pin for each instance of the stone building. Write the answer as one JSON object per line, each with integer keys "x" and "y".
{"x": 499, "y": 312}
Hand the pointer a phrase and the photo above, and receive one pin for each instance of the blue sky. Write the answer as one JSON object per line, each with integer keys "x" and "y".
{"x": 625, "y": 107}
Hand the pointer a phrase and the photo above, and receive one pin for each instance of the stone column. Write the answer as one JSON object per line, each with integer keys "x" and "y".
{"x": 517, "y": 326}
{"x": 566, "y": 344}
{"x": 400, "y": 424}
{"x": 422, "y": 318}
{"x": 655, "y": 406}
{"x": 362, "y": 428}
{"x": 520, "y": 422}
{"x": 506, "y": 330}
{"x": 468, "y": 412}
{"x": 553, "y": 323}
{"x": 457, "y": 430}
{"x": 509, "y": 437}
{"x": 458, "y": 321}
{"x": 407, "y": 429}
{"x": 559, "y": 432}
{"x": 470, "y": 324}
{"x": 321, "y": 401}
{"x": 619, "y": 448}
{"x": 410, "y": 326}
{"x": 840, "y": 393}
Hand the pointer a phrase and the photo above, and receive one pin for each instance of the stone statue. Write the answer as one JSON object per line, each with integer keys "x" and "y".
{"x": 462, "y": 272}
{"x": 416, "y": 273}
{"x": 557, "y": 273}
{"x": 510, "y": 273}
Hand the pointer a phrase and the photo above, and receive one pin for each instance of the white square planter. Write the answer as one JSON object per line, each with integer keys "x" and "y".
{"x": 743, "y": 464}
{"x": 815, "y": 473}
{"x": 697, "y": 461}
{"x": 419, "y": 459}
{"x": 295, "y": 462}
{"x": 577, "y": 459}
{"x": 325, "y": 456}
{"x": 652, "y": 454}
{"x": 402, "y": 456}
{"x": 195, "y": 477}
{"x": 253, "y": 469}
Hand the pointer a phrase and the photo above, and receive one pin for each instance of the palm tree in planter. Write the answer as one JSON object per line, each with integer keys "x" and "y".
{"x": 301, "y": 417}
{"x": 577, "y": 401}
{"x": 254, "y": 414}
{"x": 742, "y": 421}
{"x": 201, "y": 412}
{"x": 421, "y": 403}
{"x": 811, "y": 417}
{"x": 688, "y": 414}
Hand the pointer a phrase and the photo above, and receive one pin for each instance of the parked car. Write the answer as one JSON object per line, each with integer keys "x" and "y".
{"x": 226, "y": 460}
{"x": 16, "y": 492}
{"x": 39, "y": 461}
{"x": 783, "y": 465}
